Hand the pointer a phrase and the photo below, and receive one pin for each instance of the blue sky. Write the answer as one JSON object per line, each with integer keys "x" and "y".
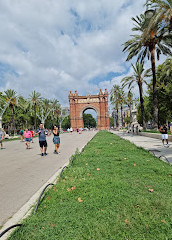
{"x": 56, "y": 46}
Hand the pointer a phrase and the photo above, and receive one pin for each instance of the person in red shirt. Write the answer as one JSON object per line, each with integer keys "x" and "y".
{"x": 27, "y": 135}
{"x": 32, "y": 132}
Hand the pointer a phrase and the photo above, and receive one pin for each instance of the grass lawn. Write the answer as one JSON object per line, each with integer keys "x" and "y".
{"x": 10, "y": 139}
{"x": 114, "y": 190}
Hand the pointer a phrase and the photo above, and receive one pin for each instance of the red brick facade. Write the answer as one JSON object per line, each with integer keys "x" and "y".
{"x": 78, "y": 104}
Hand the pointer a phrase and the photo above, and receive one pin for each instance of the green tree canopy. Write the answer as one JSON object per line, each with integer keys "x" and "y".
{"x": 150, "y": 41}
{"x": 66, "y": 123}
{"x": 89, "y": 121}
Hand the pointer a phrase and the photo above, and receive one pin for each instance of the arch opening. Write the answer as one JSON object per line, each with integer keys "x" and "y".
{"x": 89, "y": 116}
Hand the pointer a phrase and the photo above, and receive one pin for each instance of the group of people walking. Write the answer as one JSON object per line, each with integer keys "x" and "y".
{"x": 42, "y": 133}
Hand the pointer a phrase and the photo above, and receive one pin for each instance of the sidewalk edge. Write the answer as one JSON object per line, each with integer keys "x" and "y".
{"x": 27, "y": 208}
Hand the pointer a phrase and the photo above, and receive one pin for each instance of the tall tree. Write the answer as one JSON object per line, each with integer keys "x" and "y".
{"x": 139, "y": 77}
{"x": 66, "y": 122}
{"x": 148, "y": 42}
{"x": 11, "y": 96}
{"x": 35, "y": 99}
{"x": 89, "y": 121}
{"x": 56, "y": 110}
{"x": 129, "y": 102}
{"x": 117, "y": 98}
{"x": 163, "y": 13}
{"x": 164, "y": 83}
{"x": 122, "y": 101}
{"x": 114, "y": 98}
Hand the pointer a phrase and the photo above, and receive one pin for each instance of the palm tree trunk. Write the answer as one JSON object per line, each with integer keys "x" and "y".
{"x": 53, "y": 120}
{"x": 142, "y": 106}
{"x": 35, "y": 116}
{"x": 13, "y": 120}
{"x": 170, "y": 29}
{"x": 155, "y": 97}
{"x": 130, "y": 115}
{"x": 121, "y": 115}
{"x": 117, "y": 117}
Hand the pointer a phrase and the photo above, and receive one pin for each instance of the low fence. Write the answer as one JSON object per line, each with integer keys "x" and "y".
{"x": 154, "y": 135}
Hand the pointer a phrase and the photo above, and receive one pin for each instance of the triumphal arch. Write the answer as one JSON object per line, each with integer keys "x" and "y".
{"x": 78, "y": 104}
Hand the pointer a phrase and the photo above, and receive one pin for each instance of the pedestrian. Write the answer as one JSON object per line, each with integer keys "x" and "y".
{"x": 71, "y": 129}
{"x": 22, "y": 135}
{"x": 133, "y": 129}
{"x": 32, "y": 132}
{"x": 171, "y": 128}
{"x": 137, "y": 130}
{"x": 164, "y": 131}
{"x": 56, "y": 139}
{"x": 27, "y": 135}
{"x": 42, "y": 139}
{"x": 1, "y": 137}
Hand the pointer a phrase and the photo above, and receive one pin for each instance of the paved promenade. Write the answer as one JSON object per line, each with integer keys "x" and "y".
{"x": 152, "y": 144}
{"x": 23, "y": 172}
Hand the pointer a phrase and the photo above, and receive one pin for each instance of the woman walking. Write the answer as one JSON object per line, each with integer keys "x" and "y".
{"x": 1, "y": 137}
{"x": 27, "y": 135}
{"x": 56, "y": 140}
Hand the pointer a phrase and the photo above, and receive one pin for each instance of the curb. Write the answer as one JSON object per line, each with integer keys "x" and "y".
{"x": 27, "y": 208}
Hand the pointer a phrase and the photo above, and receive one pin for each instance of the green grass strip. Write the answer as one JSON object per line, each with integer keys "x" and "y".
{"x": 114, "y": 190}
{"x": 10, "y": 139}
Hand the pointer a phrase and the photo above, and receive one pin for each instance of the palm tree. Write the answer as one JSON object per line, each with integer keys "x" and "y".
{"x": 35, "y": 99}
{"x": 163, "y": 13}
{"x": 167, "y": 70}
{"x": 147, "y": 43}
{"x": 56, "y": 109}
{"x": 117, "y": 99}
{"x": 129, "y": 102}
{"x": 12, "y": 98}
{"x": 46, "y": 104}
{"x": 122, "y": 100}
{"x": 138, "y": 77}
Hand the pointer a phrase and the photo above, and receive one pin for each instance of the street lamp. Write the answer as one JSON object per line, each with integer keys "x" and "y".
{"x": 149, "y": 11}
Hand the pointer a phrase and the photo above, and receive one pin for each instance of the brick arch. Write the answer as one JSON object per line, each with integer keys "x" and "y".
{"x": 78, "y": 104}
{"x": 90, "y": 106}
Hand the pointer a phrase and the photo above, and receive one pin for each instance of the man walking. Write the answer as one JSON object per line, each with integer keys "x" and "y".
{"x": 42, "y": 139}
{"x": 164, "y": 131}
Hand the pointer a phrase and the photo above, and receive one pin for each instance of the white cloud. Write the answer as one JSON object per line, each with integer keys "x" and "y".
{"x": 56, "y": 46}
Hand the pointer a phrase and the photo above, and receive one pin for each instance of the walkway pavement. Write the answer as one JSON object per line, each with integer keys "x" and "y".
{"x": 23, "y": 172}
{"x": 151, "y": 144}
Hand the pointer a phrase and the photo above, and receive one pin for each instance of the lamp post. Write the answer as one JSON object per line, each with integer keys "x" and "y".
{"x": 149, "y": 11}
